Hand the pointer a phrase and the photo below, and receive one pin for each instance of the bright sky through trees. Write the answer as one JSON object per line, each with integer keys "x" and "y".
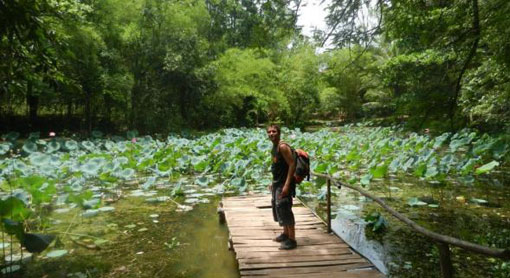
{"x": 312, "y": 16}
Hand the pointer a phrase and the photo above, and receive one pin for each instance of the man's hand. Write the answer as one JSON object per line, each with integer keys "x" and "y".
{"x": 285, "y": 192}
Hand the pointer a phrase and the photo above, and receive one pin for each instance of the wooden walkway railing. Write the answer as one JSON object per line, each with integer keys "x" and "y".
{"x": 443, "y": 241}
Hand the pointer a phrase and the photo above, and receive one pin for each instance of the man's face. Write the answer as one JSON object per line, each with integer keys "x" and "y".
{"x": 272, "y": 133}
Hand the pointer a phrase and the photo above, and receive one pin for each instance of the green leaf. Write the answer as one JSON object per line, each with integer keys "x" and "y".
{"x": 379, "y": 171}
{"x": 431, "y": 172}
{"x": 14, "y": 208}
{"x": 414, "y": 202}
{"x": 29, "y": 147}
{"x": 4, "y": 148}
{"x": 365, "y": 179}
{"x": 420, "y": 170}
{"x": 202, "y": 181}
{"x": 71, "y": 145}
{"x": 56, "y": 253}
{"x": 486, "y": 168}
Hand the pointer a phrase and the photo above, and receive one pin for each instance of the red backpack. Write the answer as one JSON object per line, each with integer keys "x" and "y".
{"x": 302, "y": 160}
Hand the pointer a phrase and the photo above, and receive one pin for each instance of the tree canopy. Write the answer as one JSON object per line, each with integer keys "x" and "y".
{"x": 158, "y": 66}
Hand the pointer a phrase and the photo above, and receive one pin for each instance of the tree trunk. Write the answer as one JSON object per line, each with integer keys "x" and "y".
{"x": 88, "y": 114}
{"x": 33, "y": 105}
{"x": 471, "y": 54}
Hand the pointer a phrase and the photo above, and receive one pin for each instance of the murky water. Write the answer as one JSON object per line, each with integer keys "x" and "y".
{"x": 479, "y": 213}
{"x": 138, "y": 239}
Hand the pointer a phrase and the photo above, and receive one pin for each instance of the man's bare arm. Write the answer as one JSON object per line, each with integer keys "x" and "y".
{"x": 287, "y": 155}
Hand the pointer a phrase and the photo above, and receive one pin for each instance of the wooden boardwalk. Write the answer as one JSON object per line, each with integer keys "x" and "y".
{"x": 319, "y": 254}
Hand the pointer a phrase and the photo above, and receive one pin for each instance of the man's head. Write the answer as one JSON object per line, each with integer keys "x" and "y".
{"x": 273, "y": 132}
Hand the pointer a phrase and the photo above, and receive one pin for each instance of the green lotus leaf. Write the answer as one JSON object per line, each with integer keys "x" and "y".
{"x": 111, "y": 167}
{"x": 90, "y": 213}
{"x": 127, "y": 173}
{"x": 414, "y": 202}
{"x": 122, "y": 147}
{"x": 56, "y": 253}
{"x": 121, "y": 160}
{"x": 29, "y": 147}
{"x": 41, "y": 142}
{"x": 486, "y": 167}
{"x": 71, "y": 145}
{"x": 202, "y": 181}
{"x": 90, "y": 168}
{"x": 150, "y": 181}
{"x": 55, "y": 160}
{"x": 98, "y": 160}
{"x": 4, "y": 148}
{"x": 19, "y": 165}
{"x": 53, "y": 146}
{"x": 109, "y": 145}
{"x": 10, "y": 269}
{"x": 88, "y": 145}
{"x": 47, "y": 170}
{"x": 39, "y": 159}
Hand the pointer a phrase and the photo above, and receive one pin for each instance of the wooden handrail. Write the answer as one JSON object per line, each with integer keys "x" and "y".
{"x": 473, "y": 247}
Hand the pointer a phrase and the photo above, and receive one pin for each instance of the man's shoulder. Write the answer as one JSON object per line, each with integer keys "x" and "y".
{"x": 282, "y": 145}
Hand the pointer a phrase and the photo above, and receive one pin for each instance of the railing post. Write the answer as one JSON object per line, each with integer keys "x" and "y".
{"x": 445, "y": 261}
{"x": 328, "y": 182}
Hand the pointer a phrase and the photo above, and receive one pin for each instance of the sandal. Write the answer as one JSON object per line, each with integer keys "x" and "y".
{"x": 281, "y": 238}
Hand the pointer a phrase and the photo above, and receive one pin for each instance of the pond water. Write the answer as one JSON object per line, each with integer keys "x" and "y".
{"x": 151, "y": 234}
{"x": 144, "y": 235}
{"x": 478, "y": 213}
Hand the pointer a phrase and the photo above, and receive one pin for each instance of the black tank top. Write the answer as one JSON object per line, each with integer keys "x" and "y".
{"x": 279, "y": 167}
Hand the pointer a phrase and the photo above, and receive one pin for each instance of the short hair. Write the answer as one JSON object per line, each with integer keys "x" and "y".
{"x": 275, "y": 126}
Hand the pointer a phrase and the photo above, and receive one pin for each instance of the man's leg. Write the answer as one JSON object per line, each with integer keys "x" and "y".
{"x": 291, "y": 232}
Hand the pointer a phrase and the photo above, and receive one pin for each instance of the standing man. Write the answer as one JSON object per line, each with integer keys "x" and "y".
{"x": 282, "y": 189}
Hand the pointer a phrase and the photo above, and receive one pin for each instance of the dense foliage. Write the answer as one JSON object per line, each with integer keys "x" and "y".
{"x": 443, "y": 60}
{"x": 157, "y": 66}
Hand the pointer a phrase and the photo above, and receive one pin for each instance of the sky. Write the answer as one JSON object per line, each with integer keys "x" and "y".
{"x": 312, "y": 16}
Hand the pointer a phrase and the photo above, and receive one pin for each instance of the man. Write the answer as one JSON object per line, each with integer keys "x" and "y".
{"x": 282, "y": 188}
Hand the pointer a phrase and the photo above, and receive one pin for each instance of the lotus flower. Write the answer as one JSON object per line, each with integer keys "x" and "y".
{"x": 133, "y": 140}
{"x": 52, "y": 134}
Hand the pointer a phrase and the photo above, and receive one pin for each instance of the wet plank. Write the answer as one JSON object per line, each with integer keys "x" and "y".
{"x": 319, "y": 254}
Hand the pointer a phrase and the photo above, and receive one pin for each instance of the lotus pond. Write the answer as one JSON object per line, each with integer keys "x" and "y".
{"x": 138, "y": 206}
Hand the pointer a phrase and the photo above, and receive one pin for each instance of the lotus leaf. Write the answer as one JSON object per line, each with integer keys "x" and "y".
{"x": 150, "y": 181}
{"x": 71, "y": 145}
{"x": 10, "y": 269}
{"x": 486, "y": 168}
{"x": 4, "y": 148}
{"x": 56, "y": 253}
{"x": 29, "y": 147}
{"x": 88, "y": 145}
{"x": 126, "y": 173}
{"x": 53, "y": 146}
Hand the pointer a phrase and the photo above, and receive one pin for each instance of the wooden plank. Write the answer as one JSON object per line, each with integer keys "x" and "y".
{"x": 246, "y": 266}
{"x": 288, "y": 259}
{"x": 291, "y": 253}
{"x": 301, "y": 270}
{"x": 319, "y": 254}
{"x": 367, "y": 273}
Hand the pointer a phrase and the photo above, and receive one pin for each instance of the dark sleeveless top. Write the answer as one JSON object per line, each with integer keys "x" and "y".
{"x": 279, "y": 167}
